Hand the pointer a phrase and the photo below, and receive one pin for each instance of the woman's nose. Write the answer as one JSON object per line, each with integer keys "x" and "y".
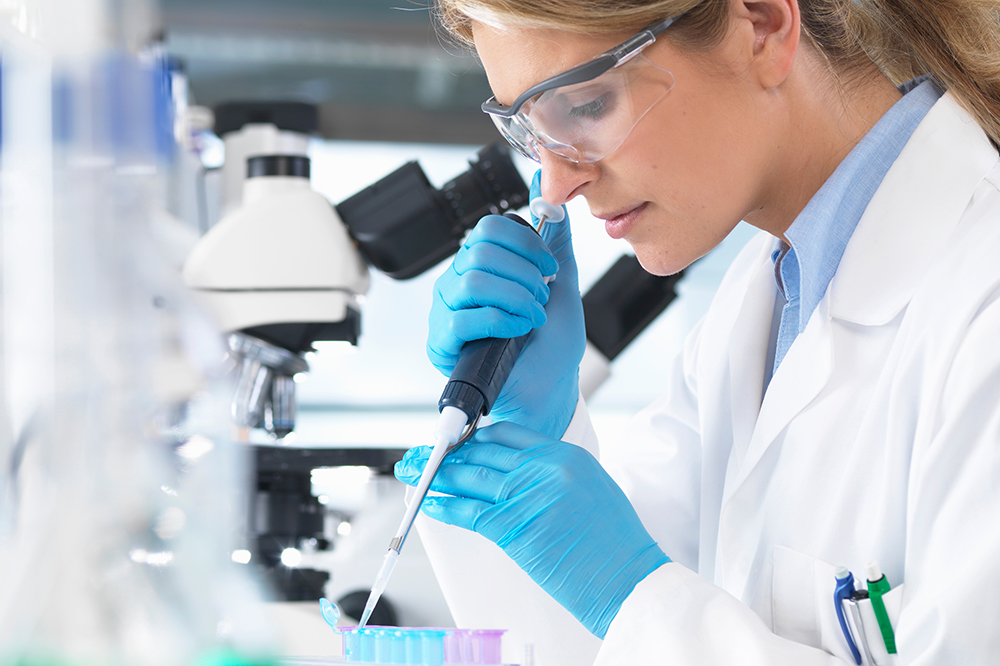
{"x": 562, "y": 179}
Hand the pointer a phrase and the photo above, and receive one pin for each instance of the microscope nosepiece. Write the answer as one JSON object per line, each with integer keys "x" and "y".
{"x": 265, "y": 384}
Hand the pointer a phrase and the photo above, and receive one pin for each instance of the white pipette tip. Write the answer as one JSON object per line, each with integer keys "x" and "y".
{"x": 369, "y": 607}
{"x": 380, "y": 581}
{"x": 541, "y": 208}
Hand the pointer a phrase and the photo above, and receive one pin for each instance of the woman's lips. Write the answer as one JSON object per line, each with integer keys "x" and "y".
{"x": 618, "y": 226}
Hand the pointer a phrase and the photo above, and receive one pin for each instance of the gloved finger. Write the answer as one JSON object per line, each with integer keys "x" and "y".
{"x": 515, "y": 237}
{"x": 512, "y": 436}
{"x": 471, "y": 481}
{"x": 493, "y": 456}
{"x": 558, "y": 467}
{"x": 477, "y": 289}
{"x": 501, "y": 262}
{"x": 411, "y": 466}
{"x": 492, "y": 521}
{"x": 459, "y": 511}
{"x": 475, "y": 470}
{"x": 499, "y": 462}
{"x": 480, "y": 482}
{"x": 460, "y": 327}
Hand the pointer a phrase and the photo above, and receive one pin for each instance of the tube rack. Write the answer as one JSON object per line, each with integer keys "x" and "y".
{"x": 426, "y": 646}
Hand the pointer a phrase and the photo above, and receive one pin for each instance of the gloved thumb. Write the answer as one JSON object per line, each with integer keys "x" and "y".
{"x": 557, "y": 235}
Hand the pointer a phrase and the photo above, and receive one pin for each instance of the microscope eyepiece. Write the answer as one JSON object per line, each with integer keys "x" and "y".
{"x": 492, "y": 185}
{"x": 404, "y": 225}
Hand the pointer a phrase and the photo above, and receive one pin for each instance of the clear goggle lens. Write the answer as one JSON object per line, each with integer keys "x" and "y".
{"x": 587, "y": 121}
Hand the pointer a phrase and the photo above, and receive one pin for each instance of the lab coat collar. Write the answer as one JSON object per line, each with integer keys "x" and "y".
{"x": 896, "y": 238}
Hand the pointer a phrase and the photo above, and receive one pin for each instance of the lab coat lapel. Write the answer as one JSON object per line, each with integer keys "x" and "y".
{"x": 748, "y": 354}
{"x": 803, "y": 373}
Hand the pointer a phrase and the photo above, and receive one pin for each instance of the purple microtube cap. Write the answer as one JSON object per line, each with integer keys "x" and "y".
{"x": 487, "y": 646}
{"x": 458, "y": 646}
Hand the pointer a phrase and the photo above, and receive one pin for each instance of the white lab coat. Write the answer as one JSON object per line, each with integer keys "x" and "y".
{"x": 878, "y": 439}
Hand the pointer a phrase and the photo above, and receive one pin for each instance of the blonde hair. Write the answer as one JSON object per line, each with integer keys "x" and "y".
{"x": 957, "y": 42}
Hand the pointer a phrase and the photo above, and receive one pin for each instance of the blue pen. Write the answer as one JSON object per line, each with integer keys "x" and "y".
{"x": 844, "y": 590}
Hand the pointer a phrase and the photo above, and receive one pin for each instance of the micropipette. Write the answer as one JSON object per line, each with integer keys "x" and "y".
{"x": 475, "y": 382}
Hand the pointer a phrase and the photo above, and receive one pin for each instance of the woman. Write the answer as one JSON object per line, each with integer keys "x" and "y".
{"x": 838, "y": 405}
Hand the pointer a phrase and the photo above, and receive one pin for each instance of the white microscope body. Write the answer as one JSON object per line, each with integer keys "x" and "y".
{"x": 279, "y": 262}
{"x": 283, "y": 256}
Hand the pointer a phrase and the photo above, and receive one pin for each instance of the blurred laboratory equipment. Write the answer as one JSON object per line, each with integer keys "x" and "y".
{"x": 119, "y": 480}
{"x": 287, "y": 519}
{"x": 616, "y": 309}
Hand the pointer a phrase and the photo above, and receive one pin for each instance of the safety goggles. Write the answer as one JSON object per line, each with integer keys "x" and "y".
{"x": 586, "y": 112}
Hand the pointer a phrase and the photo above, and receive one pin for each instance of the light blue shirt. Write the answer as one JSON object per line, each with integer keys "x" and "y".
{"x": 817, "y": 238}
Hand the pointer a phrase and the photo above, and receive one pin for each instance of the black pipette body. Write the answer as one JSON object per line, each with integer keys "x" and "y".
{"x": 482, "y": 369}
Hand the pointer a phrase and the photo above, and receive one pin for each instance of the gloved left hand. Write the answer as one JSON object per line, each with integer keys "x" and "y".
{"x": 552, "y": 508}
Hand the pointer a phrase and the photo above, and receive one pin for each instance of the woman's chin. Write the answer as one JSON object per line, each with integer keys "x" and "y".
{"x": 658, "y": 261}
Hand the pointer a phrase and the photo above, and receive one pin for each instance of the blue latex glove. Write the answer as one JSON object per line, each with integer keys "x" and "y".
{"x": 552, "y": 508}
{"x": 495, "y": 288}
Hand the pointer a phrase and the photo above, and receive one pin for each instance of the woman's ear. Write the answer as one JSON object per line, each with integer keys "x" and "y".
{"x": 774, "y": 27}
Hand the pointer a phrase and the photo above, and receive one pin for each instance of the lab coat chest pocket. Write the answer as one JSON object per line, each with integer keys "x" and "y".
{"x": 802, "y": 602}
{"x": 794, "y": 597}
{"x": 803, "y": 609}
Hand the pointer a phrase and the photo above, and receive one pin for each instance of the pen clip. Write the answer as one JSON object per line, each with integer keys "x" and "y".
{"x": 844, "y": 590}
{"x": 859, "y": 624}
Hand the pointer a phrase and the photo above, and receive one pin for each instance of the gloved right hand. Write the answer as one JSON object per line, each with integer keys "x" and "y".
{"x": 495, "y": 287}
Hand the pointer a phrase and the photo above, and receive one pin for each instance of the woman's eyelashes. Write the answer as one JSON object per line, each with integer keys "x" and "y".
{"x": 594, "y": 109}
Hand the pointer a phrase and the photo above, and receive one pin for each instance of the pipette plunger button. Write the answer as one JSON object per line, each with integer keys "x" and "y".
{"x": 540, "y": 208}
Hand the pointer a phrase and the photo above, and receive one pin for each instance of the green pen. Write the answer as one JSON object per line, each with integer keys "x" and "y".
{"x": 877, "y": 586}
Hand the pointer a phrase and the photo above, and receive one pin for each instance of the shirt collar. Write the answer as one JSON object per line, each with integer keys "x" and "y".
{"x": 819, "y": 234}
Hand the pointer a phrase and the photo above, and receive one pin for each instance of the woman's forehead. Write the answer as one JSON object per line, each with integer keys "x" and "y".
{"x": 516, "y": 58}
